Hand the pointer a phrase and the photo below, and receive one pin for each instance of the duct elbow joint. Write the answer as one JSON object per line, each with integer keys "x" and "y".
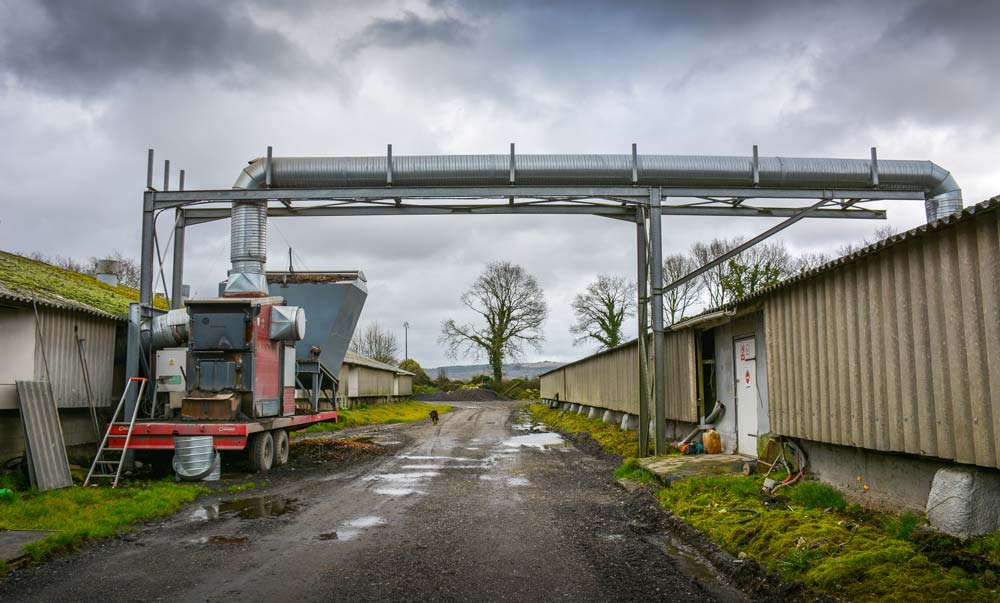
{"x": 945, "y": 198}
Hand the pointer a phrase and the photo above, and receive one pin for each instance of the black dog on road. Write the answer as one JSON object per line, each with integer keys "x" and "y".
{"x": 434, "y": 417}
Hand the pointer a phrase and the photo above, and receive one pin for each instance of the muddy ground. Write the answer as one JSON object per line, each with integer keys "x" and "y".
{"x": 477, "y": 508}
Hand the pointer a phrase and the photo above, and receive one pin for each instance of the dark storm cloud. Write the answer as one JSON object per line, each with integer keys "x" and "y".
{"x": 411, "y": 29}
{"x": 936, "y": 64}
{"x": 76, "y": 47}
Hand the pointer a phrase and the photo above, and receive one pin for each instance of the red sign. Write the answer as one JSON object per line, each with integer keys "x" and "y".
{"x": 747, "y": 377}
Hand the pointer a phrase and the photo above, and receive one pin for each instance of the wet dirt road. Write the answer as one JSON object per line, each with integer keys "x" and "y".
{"x": 477, "y": 508}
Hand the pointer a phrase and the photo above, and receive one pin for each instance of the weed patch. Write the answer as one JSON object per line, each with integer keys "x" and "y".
{"x": 378, "y": 414}
{"x": 817, "y": 495}
{"x": 77, "y": 514}
{"x": 631, "y": 469}
{"x": 623, "y": 442}
{"x": 808, "y": 536}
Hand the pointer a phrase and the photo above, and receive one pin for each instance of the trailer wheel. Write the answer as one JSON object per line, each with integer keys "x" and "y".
{"x": 280, "y": 447}
{"x": 261, "y": 451}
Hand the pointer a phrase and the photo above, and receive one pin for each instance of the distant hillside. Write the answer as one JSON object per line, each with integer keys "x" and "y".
{"x": 464, "y": 372}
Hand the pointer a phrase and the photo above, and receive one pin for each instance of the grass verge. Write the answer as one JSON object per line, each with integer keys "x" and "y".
{"x": 378, "y": 414}
{"x": 78, "y": 514}
{"x": 613, "y": 439}
{"x": 810, "y": 535}
{"x": 630, "y": 469}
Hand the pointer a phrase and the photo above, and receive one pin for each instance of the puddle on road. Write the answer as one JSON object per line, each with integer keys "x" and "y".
{"x": 349, "y": 530}
{"x": 246, "y": 508}
{"x": 415, "y": 476}
{"x": 220, "y": 540}
{"x": 427, "y": 457}
{"x": 542, "y": 441}
{"x": 397, "y": 491}
{"x": 517, "y": 481}
{"x": 427, "y": 467}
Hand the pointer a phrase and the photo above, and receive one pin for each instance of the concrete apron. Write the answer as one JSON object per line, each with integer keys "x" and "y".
{"x": 672, "y": 468}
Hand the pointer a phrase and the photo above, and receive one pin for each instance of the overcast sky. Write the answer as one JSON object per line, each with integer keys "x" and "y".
{"x": 87, "y": 86}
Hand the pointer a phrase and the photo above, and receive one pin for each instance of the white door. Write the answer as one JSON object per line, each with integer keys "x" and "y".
{"x": 747, "y": 400}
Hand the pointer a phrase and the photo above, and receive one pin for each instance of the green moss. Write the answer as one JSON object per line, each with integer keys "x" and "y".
{"x": 816, "y": 495}
{"x": 832, "y": 553}
{"x": 902, "y": 526}
{"x": 630, "y": 469}
{"x": 378, "y": 414}
{"x": 623, "y": 442}
{"x": 77, "y": 514}
{"x": 31, "y": 278}
{"x": 241, "y": 487}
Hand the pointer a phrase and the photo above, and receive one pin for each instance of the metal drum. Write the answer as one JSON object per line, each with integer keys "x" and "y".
{"x": 195, "y": 458}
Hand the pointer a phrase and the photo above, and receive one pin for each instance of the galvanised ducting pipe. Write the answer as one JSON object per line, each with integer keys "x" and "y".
{"x": 248, "y": 249}
{"x": 249, "y": 220}
{"x": 943, "y": 194}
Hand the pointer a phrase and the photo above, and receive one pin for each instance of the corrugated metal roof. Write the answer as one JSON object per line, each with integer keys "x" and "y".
{"x": 968, "y": 213}
{"x": 25, "y": 280}
{"x": 352, "y": 358}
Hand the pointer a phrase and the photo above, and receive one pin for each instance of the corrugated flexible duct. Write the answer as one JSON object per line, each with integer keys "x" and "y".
{"x": 943, "y": 194}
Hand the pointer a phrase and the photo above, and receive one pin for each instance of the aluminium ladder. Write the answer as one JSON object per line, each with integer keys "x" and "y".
{"x": 116, "y": 465}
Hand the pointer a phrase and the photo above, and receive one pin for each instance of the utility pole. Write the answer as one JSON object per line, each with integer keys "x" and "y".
{"x": 406, "y": 340}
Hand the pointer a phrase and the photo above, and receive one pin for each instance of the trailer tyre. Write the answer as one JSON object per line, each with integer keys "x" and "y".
{"x": 261, "y": 451}
{"x": 281, "y": 447}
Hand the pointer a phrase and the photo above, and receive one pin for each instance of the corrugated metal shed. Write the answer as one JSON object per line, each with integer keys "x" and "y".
{"x": 60, "y": 330}
{"x": 358, "y": 359}
{"x": 610, "y": 379}
{"x": 895, "y": 347}
{"x": 375, "y": 382}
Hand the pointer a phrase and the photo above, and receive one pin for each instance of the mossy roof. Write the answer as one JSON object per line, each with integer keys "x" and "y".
{"x": 23, "y": 280}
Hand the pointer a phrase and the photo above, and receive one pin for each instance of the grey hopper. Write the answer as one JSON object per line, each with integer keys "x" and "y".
{"x": 332, "y": 302}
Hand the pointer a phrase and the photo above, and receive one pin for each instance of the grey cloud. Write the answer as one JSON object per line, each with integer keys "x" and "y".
{"x": 86, "y": 47}
{"x": 413, "y": 30}
{"x": 936, "y": 64}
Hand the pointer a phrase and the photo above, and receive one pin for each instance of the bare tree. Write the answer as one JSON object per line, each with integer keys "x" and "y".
{"x": 376, "y": 343}
{"x": 601, "y": 310}
{"x": 126, "y": 268}
{"x": 513, "y": 309}
{"x": 809, "y": 261}
{"x": 678, "y": 301}
{"x": 703, "y": 253}
{"x": 882, "y": 232}
{"x": 761, "y": 266}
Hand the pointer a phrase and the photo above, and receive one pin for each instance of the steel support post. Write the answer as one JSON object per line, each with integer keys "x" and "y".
{"x": 135, "y": 351}
{"x": 642, "y": 300}
{"x": 177, "y": 286}
{"x": 659, "y": 353}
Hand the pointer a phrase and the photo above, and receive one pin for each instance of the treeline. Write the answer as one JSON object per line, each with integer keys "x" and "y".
{"x": 601, "y": 310}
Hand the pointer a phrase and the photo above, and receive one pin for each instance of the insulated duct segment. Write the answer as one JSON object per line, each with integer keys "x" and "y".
{"x": 943, "y": 194}
{"x": 248, "y": 249}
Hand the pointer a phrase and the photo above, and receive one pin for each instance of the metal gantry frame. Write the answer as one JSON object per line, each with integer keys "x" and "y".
{"x": 643, "y": 205}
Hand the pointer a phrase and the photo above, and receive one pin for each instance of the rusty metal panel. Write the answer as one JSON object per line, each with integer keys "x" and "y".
{"x": 896, "y": 350}
{"x": 59, "y": 330}
{"x": 610, "y": 379}
{"x": 43, "y": 435}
